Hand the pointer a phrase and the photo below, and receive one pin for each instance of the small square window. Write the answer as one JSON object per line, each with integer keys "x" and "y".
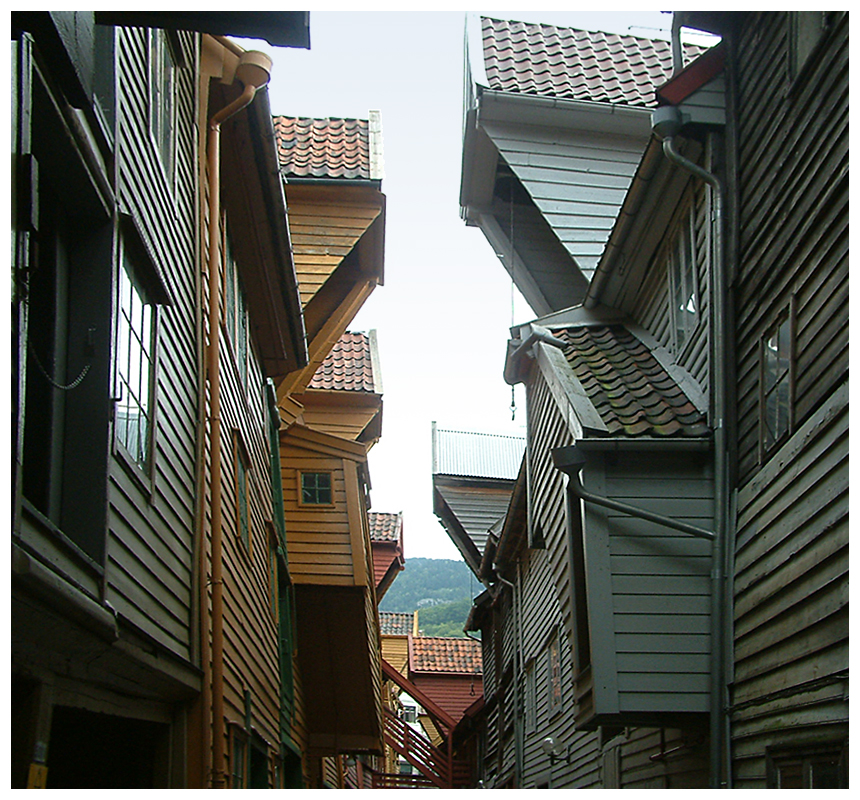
{"x": 316, "y": 489}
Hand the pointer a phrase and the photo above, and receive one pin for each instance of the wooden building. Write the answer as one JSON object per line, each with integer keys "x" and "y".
{"x": 113, "y": 485}
{"x": 386, "y": 543}
{"x": 329, "y": 416}
{"x": 677, "y": 450}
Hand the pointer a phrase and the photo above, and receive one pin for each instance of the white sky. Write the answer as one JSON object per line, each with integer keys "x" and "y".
{"x": 443, "y": 314}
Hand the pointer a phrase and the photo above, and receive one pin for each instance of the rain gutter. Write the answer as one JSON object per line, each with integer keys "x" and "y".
{"x": 667, "y": 121}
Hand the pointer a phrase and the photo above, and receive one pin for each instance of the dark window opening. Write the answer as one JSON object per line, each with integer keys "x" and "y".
{"x": 67, "y": 305}
{"x": 812, "y": 768}
{"x": 116, "y": 752}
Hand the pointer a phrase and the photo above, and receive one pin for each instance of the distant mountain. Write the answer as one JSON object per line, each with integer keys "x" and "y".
{"x": 429, "y": 581}
{"x": 441, "y": 590}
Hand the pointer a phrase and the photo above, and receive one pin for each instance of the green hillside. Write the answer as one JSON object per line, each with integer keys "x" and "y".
{"x": 441, "y": 590}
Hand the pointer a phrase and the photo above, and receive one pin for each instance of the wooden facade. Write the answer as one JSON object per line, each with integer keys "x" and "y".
{"x": 790, "y": 667}
{"x": 111, "y": 647}
{"x": 727, "y": 268}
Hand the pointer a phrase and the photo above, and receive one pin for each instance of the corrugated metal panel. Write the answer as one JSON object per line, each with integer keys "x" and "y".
{"x": 477, "y": 455}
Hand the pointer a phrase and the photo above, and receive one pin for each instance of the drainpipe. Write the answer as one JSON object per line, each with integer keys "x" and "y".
{"x": 253, "y": 71}
{"x": 666, "y": 122}
{"x": 570, "y": 460}
{"x": 518, "y": 651}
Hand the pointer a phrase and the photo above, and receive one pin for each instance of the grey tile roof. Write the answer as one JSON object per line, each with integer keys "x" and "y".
{"x": 628, "y": 386}
{"x": 395, "y": 623}
{"x": 384, "y": 527}
{"x": 557, "y": 62}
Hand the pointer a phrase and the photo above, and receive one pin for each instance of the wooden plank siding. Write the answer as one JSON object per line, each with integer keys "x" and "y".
{"x": 251, "y": 652}
{"x": 575, "y": 179}
{"x": 151, "y": 523}
{"x": 791, "y": 555}
{"x": 651, "y": 302}
{"x": 325, "y": 225}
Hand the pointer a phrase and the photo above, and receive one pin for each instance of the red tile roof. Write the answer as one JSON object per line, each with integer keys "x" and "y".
{"x": 323, "y": 148}
{"x": 628, "y": 386}
{"x": 348, "y": 367}
{"x": 577, "y": 65}
{"x": 439, "y": 654}
{"x": 385, "y": 527}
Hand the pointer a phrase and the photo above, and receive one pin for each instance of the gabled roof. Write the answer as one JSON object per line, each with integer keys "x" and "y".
{"x": 632, "y": 392}
{"x": 573, "y": 64}
{"x": 328, "y": 148}
{"x": 386, "y": 544}
{"x": 445, "y": 655}
{"x": 351, "y": 366}
{"x": 556, "y": 123}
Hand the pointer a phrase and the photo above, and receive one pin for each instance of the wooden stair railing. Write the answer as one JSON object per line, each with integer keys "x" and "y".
{"x": 430, "y": 761}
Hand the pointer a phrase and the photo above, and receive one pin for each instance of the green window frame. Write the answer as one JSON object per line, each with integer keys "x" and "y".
{"x": 242, "y": 469}
{"x": 316, "y": 489}
{"x": 238, "y": 759}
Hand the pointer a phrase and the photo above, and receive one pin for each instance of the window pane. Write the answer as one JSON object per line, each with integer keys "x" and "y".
{"x": 134, "y": 364}
{"x": 316, "y": 488}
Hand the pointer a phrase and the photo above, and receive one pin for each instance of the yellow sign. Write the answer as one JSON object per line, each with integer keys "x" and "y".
{"x": 38, "y": 776}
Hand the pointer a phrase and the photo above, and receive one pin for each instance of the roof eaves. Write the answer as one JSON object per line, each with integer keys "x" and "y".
{"x": 693, "y": 77}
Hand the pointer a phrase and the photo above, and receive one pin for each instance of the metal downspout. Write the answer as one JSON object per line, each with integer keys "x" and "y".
{"x": 518, "y": 744}
{"x": 217, "y": 576}
{"x": 719, "y": 355}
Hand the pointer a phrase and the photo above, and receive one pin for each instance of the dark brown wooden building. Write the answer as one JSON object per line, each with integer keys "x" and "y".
{"x": 684, "y": 491}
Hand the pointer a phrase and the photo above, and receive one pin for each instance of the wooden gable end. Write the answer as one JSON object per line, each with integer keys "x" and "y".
{"x": 326, "y": 223}
{"x": 353, "y": 416}
{"x": 338, "y": 267}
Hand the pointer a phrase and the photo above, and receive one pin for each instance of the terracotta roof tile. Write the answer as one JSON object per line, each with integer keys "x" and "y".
{"x": 323, "y": 148}
{"x": 348, "y": 367}
{"x": 394, "y": 623}
{"x": 628, "y": 386}
{"x": 385, "y": 527}
{"x": 578, "y": 65}
{"x": 446, "y": 654}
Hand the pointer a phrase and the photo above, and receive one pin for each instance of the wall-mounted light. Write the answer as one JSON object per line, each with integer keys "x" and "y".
{"x": 550, "y": 748}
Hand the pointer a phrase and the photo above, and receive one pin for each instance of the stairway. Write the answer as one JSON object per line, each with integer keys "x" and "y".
{"x": 435, "y": 766}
